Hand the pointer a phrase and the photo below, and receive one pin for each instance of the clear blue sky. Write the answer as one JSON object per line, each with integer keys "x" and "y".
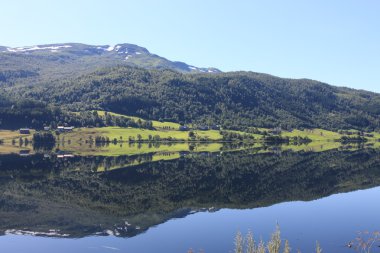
{"x": 335, "y": 41}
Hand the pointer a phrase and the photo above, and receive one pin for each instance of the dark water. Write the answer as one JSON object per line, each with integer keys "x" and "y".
{"x": 198, "y": 201}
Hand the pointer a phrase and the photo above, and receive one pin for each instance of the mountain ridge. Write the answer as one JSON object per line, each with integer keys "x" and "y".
{"x": 122, "y": 54}
{"x": 40, "y": 87}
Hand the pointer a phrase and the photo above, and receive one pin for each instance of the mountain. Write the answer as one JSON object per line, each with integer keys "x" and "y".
{"x": 42, "y": 84}
{"x": 239, "y": 100}
{"x": 43, "y": 63}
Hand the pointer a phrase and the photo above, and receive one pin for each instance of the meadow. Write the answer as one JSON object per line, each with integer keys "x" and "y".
{"x": 166, "y": 138}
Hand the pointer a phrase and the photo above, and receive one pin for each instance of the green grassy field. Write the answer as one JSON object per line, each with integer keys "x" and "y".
{"x": 256, "y": 136}
{"x": 79, "y": 139}
{"x": 376, "y": 136}
{"x": 156, "y": 124}
{"x": 314, "y": 134}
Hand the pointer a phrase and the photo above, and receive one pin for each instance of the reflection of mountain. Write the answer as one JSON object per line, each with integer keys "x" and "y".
{"x": 51, "y": 197}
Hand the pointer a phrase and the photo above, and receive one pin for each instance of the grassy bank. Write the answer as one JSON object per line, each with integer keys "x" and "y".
{"x": 119, "y": 134}
{"x": 124, "y": 134}
{"x": 121, "y": 141}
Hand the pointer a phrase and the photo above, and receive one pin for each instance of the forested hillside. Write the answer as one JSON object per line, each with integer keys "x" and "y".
{"x": 234, "y": 100}
{"x": 42, "y": 85}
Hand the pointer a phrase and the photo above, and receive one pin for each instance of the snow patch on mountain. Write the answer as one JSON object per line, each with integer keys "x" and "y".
{"x": 120, "y": 52}
{"x": 51, "y": 232}
{"x": 110, "y": 48}
{"x": 35, "y": 48}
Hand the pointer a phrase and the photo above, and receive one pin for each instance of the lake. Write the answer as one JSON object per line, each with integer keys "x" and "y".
{"x": 176, "y": 201}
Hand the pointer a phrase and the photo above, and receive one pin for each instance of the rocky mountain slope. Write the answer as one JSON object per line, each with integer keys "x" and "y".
{"x": 44, "y": 63}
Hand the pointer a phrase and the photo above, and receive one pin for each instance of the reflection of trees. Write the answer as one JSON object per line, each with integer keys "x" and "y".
{"x": 48, "y": 190}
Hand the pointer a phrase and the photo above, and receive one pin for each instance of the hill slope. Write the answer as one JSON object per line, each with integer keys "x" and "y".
{"x": 127, "y": 79}
{"x": 235, "y": 100}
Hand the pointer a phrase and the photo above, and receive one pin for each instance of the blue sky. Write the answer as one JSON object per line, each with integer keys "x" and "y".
{"x": 334, "y": 41}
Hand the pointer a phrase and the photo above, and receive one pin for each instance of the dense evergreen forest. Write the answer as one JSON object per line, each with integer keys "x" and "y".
{"x": 234, "y": 100}
{"x": 41, "y": 88}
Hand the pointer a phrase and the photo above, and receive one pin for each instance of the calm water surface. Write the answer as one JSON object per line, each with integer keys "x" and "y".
{"x": 174, "y": 202}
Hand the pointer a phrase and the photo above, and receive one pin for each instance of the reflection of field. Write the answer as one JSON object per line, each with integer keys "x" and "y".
{"x": 161, "y": 156}
{"x": 7, "y": 136}
{"x": 13, "y": 149}
{"x": 145, "y": 148}
{"x": 11, "y": 142}
{"x": 138, "y": 148}
{"x": 315, "y": 146}
{"x": 124, "y": 134}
